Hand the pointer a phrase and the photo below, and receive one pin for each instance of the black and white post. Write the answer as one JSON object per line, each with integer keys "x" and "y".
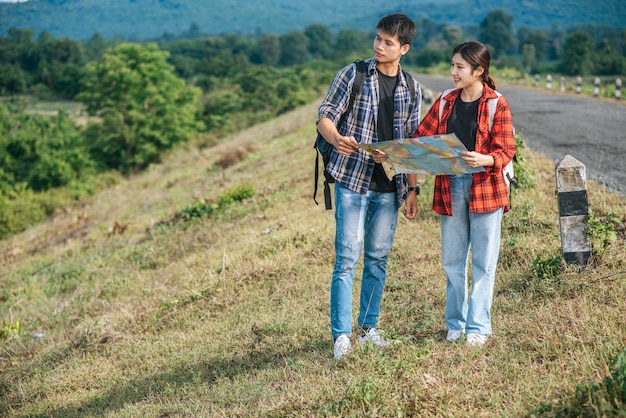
{"x": 618, "y": 88}
{"x": 571, "y": 186}
{"x": 596, "y": 87}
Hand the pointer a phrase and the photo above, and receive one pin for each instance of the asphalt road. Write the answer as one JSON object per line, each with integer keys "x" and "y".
{"x": 591, "y": 130}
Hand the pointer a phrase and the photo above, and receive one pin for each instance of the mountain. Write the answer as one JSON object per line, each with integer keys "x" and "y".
{"x": 144, "y": 19}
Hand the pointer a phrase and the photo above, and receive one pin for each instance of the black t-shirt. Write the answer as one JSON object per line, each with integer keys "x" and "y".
{"x": 463, "y": 122}
{"x": 386, "y": 87}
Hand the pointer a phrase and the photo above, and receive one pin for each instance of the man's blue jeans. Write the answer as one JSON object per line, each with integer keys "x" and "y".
{"x": 459, "y": 232}
{"x": 367, "y": 221}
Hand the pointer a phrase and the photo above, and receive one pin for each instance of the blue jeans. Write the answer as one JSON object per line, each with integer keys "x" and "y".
{"x": 459, "y": 232}
{"x": 367, "y": 221}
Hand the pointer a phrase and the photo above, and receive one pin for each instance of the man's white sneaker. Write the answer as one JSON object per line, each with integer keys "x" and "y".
{"x": 342, "y": 346}
{"x": 454, "y": 334}
{"x": 474, "y": 338}
{"x": 376, "y": 336}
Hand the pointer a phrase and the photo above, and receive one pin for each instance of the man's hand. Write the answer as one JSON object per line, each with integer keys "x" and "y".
{"x": 410, "y": 206}
{"x": 346, "y": 145}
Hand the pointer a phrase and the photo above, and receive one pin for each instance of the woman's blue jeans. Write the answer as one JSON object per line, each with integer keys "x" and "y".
{"x": 459, "y": 232}
{"x": 362, "y": 221}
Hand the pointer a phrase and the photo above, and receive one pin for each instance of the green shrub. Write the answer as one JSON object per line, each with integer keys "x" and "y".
{"x": 524, "y": 176}
{"x": 203, "y": 208}
{"x": 236, "y": 194}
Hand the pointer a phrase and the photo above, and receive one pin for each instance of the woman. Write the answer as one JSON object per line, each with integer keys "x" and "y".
{"x": 471, "y": 205}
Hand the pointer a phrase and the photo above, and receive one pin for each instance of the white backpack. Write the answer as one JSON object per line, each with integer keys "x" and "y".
{"x": 507, "y": 172}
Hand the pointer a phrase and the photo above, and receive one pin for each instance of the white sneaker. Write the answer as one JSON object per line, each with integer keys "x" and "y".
{"x": 342, "y": 346}
{"x": 454, "y": 334}
{"x": 376, "y": 336}
{"x": 474, "y": 338}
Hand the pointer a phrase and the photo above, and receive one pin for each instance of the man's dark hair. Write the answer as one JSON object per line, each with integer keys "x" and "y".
{"x": 398, "y": 24}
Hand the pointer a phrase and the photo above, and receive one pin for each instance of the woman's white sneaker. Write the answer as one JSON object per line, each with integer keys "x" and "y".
{"x": 474, "y": 338}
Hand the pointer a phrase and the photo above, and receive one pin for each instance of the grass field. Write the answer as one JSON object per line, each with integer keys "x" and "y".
{"x": 177, "y": 294}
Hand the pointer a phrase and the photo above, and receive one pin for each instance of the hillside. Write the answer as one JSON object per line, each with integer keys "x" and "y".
{"x": 128, "y": 310}
{"x": 141, "y": 19}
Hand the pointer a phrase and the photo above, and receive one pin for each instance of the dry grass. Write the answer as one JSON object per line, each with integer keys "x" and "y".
{"x": 228, "y": 315}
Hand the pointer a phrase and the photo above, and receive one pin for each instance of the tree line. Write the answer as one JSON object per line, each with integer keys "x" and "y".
{"x": 142, "y": 99}
{"x": 57, "y": 65}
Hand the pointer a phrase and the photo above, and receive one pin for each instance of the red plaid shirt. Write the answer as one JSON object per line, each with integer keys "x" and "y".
{"x": 489, "y": 192}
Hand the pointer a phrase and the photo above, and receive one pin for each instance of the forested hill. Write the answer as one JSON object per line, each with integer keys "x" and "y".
{"x": 144, "y": 19}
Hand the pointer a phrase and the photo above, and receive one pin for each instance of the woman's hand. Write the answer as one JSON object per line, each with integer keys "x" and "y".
{"x": 476, "y": 159}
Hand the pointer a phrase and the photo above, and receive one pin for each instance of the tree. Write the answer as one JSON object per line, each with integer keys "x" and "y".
{"x": 41, "y": 152}
{"x": 145, "y": 108}
{"x": 539, "y": 39}
{"x": 529, "y": 56}
{"x": 269, "y": 49}
{"x": 496, "y": 31}
{"x": 351, "y": 42}
{"x": 578, "y": 54}
{"x": 320, "y": 40}
{"x": 294, "y": 48}
{"x": 609, "y": 62}
{"x": 12, "y": 79}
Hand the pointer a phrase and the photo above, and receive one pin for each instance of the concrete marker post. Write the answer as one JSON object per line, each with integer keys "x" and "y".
{"x": 618, "y": 88}
{"x": 579, "y": 84}
{"x": 571, "y": 186}
{"x": 549, "y": 81}
{"x": 562, "y": 84}
{"x": 596, "y": 87}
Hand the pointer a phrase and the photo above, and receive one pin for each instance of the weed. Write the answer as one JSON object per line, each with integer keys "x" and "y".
{"x": 197, "y": 210}
{"x": 601, "y": 230}
{"x": 203, "y": 208}
{"x": 524, "y": 175}
{"x": 363, "y": 395}
{"x": 236, "y": 194}
{"x": 10, "y": 330}
{"x": 548, "y": 269}
{"x": 607, "y": 398}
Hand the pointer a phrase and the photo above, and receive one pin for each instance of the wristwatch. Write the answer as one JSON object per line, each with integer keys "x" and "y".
{"x": 415, "y": 189}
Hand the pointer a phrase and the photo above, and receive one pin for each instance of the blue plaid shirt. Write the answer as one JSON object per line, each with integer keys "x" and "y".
{"x": 355, "y": 171}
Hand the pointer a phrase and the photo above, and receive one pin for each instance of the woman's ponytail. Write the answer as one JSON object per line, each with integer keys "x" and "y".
{"x": 487, "y": 78}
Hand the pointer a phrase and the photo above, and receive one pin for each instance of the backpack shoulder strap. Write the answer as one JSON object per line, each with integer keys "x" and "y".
{"x": 361, "y": 69}
{"x": 493, "y": 103}
{"x": 442, "y": 101}
{"x": 411, "y": 82}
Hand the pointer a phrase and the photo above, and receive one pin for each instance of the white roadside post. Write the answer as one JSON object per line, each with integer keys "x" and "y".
{"x": 571, "y": 186}
{"x": 596, "y": 87}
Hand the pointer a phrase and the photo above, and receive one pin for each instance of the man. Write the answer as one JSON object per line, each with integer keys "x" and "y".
{"x": 366, "y": 200}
